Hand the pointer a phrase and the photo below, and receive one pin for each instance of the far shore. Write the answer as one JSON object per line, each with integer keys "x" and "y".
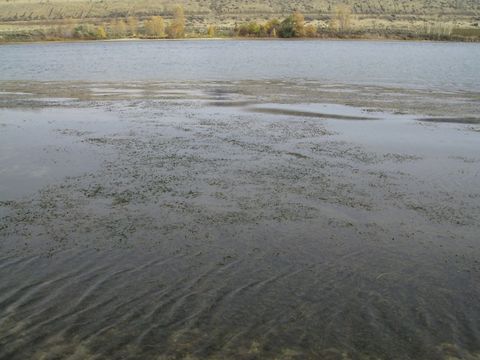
{"x": 246, "y": 38}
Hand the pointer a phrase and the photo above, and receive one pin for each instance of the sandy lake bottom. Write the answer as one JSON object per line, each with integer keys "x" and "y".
{"x": 246, "y": 220}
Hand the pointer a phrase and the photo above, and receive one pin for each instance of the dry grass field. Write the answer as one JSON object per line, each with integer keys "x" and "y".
{"x": 25, "y": 17}
{"x": 234, "y": 9}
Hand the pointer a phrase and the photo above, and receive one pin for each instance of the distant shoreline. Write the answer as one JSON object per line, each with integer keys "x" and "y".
{"x": 238, "y": 38}
{"x": 341, "y": 24}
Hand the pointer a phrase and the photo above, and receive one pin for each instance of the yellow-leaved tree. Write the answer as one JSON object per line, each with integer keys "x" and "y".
{"x": 155, "y": 26}
{"x": 310, "y": 31}
{"x": 177, "y": 26}
{"x": 211, "y": 31}
{"x": 101, "y": 33}
{"x": 132, "y": 24}
{"x": 298, "y": 24}
{"x": 119, "y": 28}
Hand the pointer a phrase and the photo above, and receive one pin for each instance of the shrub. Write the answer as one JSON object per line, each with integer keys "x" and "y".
{"x": 211, "y": 31}
{"x": 252, "y": 29}
{"x": 132, "y": 24}
{"x": 84, "y": 32}
{"x": 341, "y": 19}
{"x": 292, "y": 26}
{"x": 118, "y": 28}
{"x": 271, "y": 27}
{"x": 101, "y": 33}
{"x": 310, "y": 31}
{"x": 287, "y": 28}
{"x": 298, "y": 24}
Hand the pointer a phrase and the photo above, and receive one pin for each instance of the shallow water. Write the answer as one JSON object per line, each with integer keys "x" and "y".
{"x": 211, "y": 219}
{"x": 35, "y": 149}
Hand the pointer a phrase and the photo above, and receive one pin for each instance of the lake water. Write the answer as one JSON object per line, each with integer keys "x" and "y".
{"x": 240, "y": 200}
{"x": 448, "y": 66}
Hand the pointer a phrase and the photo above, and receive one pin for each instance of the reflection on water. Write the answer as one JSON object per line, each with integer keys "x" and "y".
{"x": 321, "y": 111}
{"x": 34, "y": 151}
{"x": 215, "y": 222}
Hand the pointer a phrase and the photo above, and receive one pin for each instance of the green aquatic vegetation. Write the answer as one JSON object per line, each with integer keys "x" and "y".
{"x": 97, "y": 140}
{"x": 122, "y": 198}
{"x": 298, "y": 255}
{"x": 93, "y": 191}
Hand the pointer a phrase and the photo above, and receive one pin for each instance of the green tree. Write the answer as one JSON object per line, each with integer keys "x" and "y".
{"x": 287, "y": 28}
{"x": 292, "y": 26}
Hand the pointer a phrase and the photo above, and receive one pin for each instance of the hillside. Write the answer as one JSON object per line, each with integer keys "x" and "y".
{"x": 11, "y": 10}
{"x": 36, "y": 19}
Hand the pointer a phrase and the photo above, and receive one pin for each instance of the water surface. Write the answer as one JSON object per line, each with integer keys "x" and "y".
{"x": 331, "y": 211}
{"x": 447, "y": 66}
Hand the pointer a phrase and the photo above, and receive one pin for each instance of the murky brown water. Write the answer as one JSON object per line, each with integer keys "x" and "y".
{"x": 211, "y": 220}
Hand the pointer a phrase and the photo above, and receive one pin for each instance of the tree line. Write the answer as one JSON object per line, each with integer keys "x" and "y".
{"x": 156, "y": 27}
{"x": 152, "y": 27}
{"x": 292, "y": 26}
